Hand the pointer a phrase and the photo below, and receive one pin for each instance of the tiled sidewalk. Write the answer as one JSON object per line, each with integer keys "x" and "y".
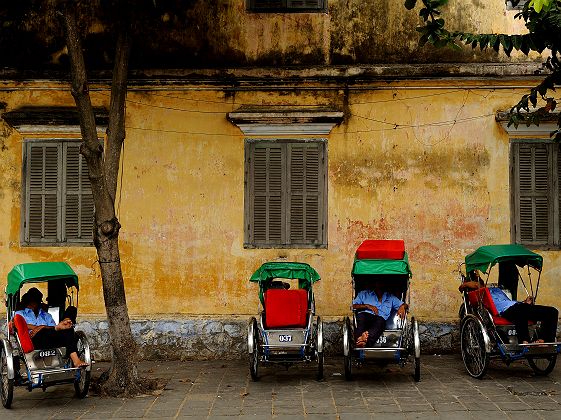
{"x": 224, "y": 390}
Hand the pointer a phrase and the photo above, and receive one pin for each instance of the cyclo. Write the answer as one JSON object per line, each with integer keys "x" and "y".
{"x": 484, "y": 334}
{"x": 288, "y": 330}
{"x": 20, "y": 363}
{"x": 387, "y": 261}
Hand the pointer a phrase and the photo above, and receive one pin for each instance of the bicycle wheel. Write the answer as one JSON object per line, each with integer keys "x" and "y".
{"x": 473, "y": 346}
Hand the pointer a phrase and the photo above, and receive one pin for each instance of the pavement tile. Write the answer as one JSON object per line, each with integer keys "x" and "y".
{"x": 415, "y": 407}
{"x": 523, "y": 415}
{"x": 156, "y": 414}
{"x": 394, "y": 408}
{"x": 513, "y": 406}
{"x": 481, "y": 406}
{"x": 124, "y": 414}
{"x": 388, "y": 416}
{"x": 450, "y": 406}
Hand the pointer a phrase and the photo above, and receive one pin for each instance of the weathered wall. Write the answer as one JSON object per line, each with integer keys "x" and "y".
{"x": 442, "y": 187}
{"x": 200, "y": 34}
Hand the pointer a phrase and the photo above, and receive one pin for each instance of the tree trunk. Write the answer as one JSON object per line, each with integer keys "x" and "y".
{"x": 103, "y": 165}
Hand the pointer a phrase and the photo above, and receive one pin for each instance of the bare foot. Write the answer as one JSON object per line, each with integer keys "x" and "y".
{"x": 76, "y": 361}
{"x": 525, "y": 342}
{"x": 539, "y": 340}
{"x": 361, "y": 341}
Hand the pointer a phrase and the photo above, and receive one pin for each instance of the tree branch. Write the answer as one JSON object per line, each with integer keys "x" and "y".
{"x": 117, "y": 109}
{"x": 91, "y": 147}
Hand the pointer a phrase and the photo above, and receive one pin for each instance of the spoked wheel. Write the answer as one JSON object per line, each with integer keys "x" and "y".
{"x": 543, "y": 365}
{"x": 6, "y": 385}
{"x": 319, "y": 347}
{"x": 82, "y": 381}
{"x": 417, "y": 349}
{"x": 474, "y": 353}
{"x": 348, "y": 348}
{"x": 253, "y": 343}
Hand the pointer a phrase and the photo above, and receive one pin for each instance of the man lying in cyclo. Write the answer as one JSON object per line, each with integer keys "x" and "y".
{"x": 374, "y": 306}
{"x": 519, "y": 313}
{"x": 44, "y": 332}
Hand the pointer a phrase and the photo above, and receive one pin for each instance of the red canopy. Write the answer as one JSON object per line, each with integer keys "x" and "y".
{"x": 381, "y": 249}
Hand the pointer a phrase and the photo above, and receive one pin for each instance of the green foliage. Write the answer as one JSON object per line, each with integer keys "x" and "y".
{"x": 542, "y": 19}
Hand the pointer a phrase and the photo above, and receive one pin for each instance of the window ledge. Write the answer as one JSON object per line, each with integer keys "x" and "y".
{"x": 51, "y": 119}
{"x": 285, "y": 120}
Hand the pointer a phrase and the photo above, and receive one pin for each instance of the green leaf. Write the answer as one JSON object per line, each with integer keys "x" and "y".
{"x": 410, "y": 4}
{"x": 534, "y": 97}
{"x": 505, "y": 42}
{"x": 516, "y": 41}
{"x": 484, "y": 41}
{"x": 496, "y": 43}
{"x": 525, "y": 47}
{"x": 538, "y": 5}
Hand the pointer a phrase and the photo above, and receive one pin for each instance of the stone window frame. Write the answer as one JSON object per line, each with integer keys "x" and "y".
{"x": 285, "y": 241}
{"x": 286, "y": 6}
{"x": 82, "y": 238}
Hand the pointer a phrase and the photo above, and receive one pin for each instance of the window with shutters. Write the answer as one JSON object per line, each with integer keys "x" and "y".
{"x": 535, "y": 172}
{"x": 286, "y": 193}
{"x": 515, "y": 5}
{"x": 57, "y": 200}
{"x": 287, "y": 6}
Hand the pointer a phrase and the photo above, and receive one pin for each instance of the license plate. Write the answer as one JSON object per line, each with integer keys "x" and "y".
{"x": 285, "y": 338}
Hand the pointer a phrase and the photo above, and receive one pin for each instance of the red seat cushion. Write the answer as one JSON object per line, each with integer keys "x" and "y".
{"x": 23, "y": 334}
{"x": 381, "y": 250}
{"x": 475, "y": 295}
{"x": 286, "y": 308}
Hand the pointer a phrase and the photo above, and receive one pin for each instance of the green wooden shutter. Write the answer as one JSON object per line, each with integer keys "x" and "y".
{"x": 305, "y": 193}
{"x": 77, "y": 195}
{"x": 267, "y": 195}
{"x": 267, "y": 4}
{"x": 42, "y": 221}
{"x": 534, "y": 205}
{"x": 275, "y": 5}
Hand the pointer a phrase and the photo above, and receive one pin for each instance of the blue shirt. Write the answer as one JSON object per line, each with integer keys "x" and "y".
{"x": 502, "y": 301}
{"x": 369, "y": 297}
{"x": 43, "y": 318}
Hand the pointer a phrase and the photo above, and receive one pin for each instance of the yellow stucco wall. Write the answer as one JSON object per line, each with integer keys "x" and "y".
{"x": 443, "y": 188}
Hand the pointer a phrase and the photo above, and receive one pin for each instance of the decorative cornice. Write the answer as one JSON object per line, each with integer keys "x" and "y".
{"x": 255, "y": 76}
{"x": 285, "y": 121}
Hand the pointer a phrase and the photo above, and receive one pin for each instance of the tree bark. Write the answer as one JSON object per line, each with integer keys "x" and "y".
{"x": 117, "y": 108}
{"x": 103, "y": 165}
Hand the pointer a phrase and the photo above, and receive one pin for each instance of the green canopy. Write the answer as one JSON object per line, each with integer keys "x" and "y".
{"x": 40, "y": 272}
{"x": 286, "y": 270}
{"x": 302, "y": 272}
{"x": 485, "y": 257}
{"x": 372, "y": 267}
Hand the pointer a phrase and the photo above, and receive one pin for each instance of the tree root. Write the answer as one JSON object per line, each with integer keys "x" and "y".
{"x": 107, "y": 386}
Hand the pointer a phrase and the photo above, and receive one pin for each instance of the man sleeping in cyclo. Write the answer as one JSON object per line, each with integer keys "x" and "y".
{"x": 374, "y": 306}
{"x": 44, "y": 332}
{"x": 519, "y": 313}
